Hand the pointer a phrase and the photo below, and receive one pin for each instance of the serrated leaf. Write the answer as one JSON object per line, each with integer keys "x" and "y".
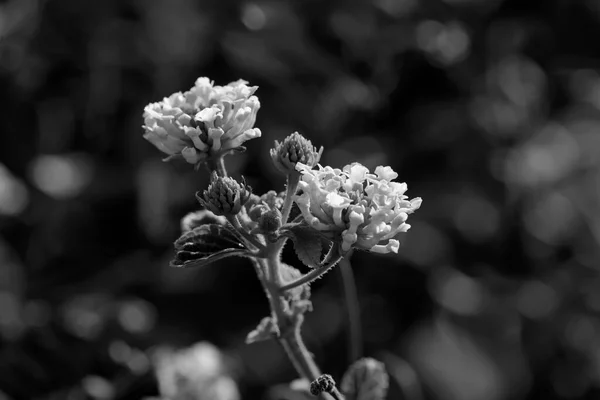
{"x": 184, "y": 259}
{"x": 308, "y": 244}
{"x": 205, "y": 244}
{"x": 198, "y": 218}
{"x": 265, "y": 330}
{"x": 208, "y": 238}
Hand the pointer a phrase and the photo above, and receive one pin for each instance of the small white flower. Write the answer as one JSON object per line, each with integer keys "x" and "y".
{"x": 204, "y": 121}
{"x": 360, "y": 209}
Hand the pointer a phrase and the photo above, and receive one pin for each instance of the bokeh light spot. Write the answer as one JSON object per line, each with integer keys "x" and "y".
{"x": 98, "y": 387}
{"x": 119, "y": 351}
{"x": 581, "y": 332}
{"x": 457, "y": 292}
{"x": 61, "y": 176}
{"x": 14, "y": 196}
{"x": 551, "y": 218}
{"x": 445, "y": 43}
{"x": 253, "y": 17}
{"x": 536, "y": 300}
{"x": 476, "y": 218}
{"x": 137, "y": 316}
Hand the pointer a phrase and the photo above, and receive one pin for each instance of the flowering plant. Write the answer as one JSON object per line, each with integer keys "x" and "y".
{"x": 337, "y": 210}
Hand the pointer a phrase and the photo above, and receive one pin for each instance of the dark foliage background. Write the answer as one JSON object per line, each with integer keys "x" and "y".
{"x": 489, "y": 110}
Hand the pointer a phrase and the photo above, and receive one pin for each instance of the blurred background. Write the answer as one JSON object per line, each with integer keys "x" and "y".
{"x": 488, "y": 109}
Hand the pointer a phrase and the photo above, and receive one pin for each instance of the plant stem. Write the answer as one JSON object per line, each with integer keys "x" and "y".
{"x": 289, "y": 324}
{"x": 290, "y": 191}
{"x": 218, "y": 164}
{"x": 352, "y": 308}
{"x": 336, "y": 394}
{"x": 298, "y": 353}
{"x": 311, "y": 276}
{"x": 235, "y": 221}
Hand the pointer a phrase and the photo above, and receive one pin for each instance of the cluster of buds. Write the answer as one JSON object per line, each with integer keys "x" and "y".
{"x": 264, "y": 215}
{"x": 205, "y": 121}
{"x": 294, "y": 149}
{"x": 224, "y": 196}
{"x": 366, "y": 211}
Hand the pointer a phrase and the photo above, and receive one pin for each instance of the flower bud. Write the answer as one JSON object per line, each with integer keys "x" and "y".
{"x": 294, "y": 148}
{"x": 224, "y": 196}
{"x": 270, "y": 221}
{"x": 323, "y": 383}
{"x": 256, "y": 211}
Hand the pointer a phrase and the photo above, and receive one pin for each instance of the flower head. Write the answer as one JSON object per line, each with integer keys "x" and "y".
{"x": 204, "y": 121}
{"x": 294, "y": 149}
{"x": 224, "y": 196}
{"x": 362, "y": 210}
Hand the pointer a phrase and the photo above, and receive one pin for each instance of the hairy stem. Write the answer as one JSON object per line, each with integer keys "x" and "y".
{"x": 289, "y": 324}
{"x": 352, "y": 308}
{"x": 290, "y": 191}
{"x": 235, "y": 221}
{"x": 298, "y": 353}
{"x": 311, "y": 276}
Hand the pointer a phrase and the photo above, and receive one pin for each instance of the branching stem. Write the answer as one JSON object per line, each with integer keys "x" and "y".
{"x": 235, "y": 221}
{"x": 268, "y": 269}
{"x": 311, "y": 276}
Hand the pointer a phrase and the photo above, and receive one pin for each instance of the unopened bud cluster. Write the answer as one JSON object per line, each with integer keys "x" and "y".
{"x": 294, "y": 149}
{"x": 224, "y": 196}
{"x": 264, "y": 215}
{"x": 323, "y": 383}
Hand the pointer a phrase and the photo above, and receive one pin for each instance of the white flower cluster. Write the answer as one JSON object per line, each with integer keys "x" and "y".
{"x": 367, "y": 210}
{"x": 205, "y": 120}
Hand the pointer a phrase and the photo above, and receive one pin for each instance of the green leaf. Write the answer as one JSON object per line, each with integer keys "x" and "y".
{"x": 308, "y": 243}
{"x": 198, "y": 218}
{"x": 265, "y": 330}
{"x": 206, "y": 244}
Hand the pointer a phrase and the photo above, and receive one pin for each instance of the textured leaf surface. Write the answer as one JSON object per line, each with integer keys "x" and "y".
{"x": 198, "y": 218}
{"x": 308, "y": 244}
{"x": 265, "y": 330}
{"x": 206, "y": 244}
